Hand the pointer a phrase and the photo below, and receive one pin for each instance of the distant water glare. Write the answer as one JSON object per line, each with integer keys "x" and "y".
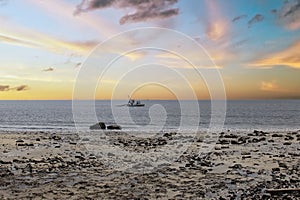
{"x": 241, "y": 115}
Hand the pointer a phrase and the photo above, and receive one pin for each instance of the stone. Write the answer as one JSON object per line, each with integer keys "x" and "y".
{"x": 275, "y": 169}
{"x": 266, "y": 196}
{"x": 97, "y": 126}
{"x": 56, "y": 137}
{"x": 114, "y": 127}
{"x": 288, "y": 137}
{"x": 236, "y": 166}
{"x": 223, "y": 142}
{"x": 243, "y": 140}
{"x": 234, "y": 142}
{"x": 5, "y": 162}
{"x": 232, "y": 136}
{"x": 277, "y": 135}
{"x": 282, "y": 164}
{"x": 244, "y": 157}
{"x": 287, "y": 143}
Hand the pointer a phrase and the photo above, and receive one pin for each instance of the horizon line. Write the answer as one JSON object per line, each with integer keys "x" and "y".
{"x": 296, "y": 98}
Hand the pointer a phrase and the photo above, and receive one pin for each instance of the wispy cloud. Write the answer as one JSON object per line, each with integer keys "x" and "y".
{"x": 289, "y": 57}
{"x": 257, "y": 18}
{"x": 238, "y": 18}
{"x": 216, "y": 26}
{"x": 50, "y": 69}
{"x": 15, "y": 35}
{"x": 21, "y": 88}
{"x": 273, "y": 11}
{"x": 4, "y": 88}
{"x": 15, "y": 41}
{"x": 289, "y": 15}
{"x": 59, "y": 10}
{"x": 175, "y": 61}
{"x": 144, "y": 10}
{"x": 78, "y": 64}
{"x": 3, "y": 2}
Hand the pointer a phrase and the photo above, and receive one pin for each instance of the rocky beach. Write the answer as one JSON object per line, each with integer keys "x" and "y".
{"x": 253, "y": 165}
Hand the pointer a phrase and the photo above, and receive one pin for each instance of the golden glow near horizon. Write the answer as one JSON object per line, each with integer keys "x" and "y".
{"x": 255, "y": 47}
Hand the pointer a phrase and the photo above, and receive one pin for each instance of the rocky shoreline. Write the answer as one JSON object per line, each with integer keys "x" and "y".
{"x": 256, "y": 165}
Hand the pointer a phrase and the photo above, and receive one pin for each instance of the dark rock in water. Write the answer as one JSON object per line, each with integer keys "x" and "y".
{"x": 114, "y": 127}
{"x": 99, "y": 125}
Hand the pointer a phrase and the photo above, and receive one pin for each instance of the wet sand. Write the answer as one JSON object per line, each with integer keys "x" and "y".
{"x": 41, "y": 165}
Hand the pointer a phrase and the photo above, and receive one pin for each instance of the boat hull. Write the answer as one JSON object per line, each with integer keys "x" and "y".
{"x": 137, "y": 105}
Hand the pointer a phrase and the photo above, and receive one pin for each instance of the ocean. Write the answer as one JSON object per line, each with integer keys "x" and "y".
{"x": 157, "y": 115}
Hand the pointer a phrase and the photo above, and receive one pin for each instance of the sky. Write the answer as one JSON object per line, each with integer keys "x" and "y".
{"x": 59, "y": 49}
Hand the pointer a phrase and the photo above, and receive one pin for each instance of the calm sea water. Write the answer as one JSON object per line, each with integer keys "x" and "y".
{"x": 155, "y": 116}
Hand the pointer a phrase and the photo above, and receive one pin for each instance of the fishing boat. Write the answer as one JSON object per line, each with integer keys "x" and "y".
{"x": 134, "y": 103}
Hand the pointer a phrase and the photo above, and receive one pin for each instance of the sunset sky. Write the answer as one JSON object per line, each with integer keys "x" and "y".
{"x": 254, "y": 44}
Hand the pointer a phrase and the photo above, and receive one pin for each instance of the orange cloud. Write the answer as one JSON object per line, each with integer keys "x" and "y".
{"x": 269, "y": 86}
{"x": 289, "y": 57}
{"x": 179, "y": 63}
